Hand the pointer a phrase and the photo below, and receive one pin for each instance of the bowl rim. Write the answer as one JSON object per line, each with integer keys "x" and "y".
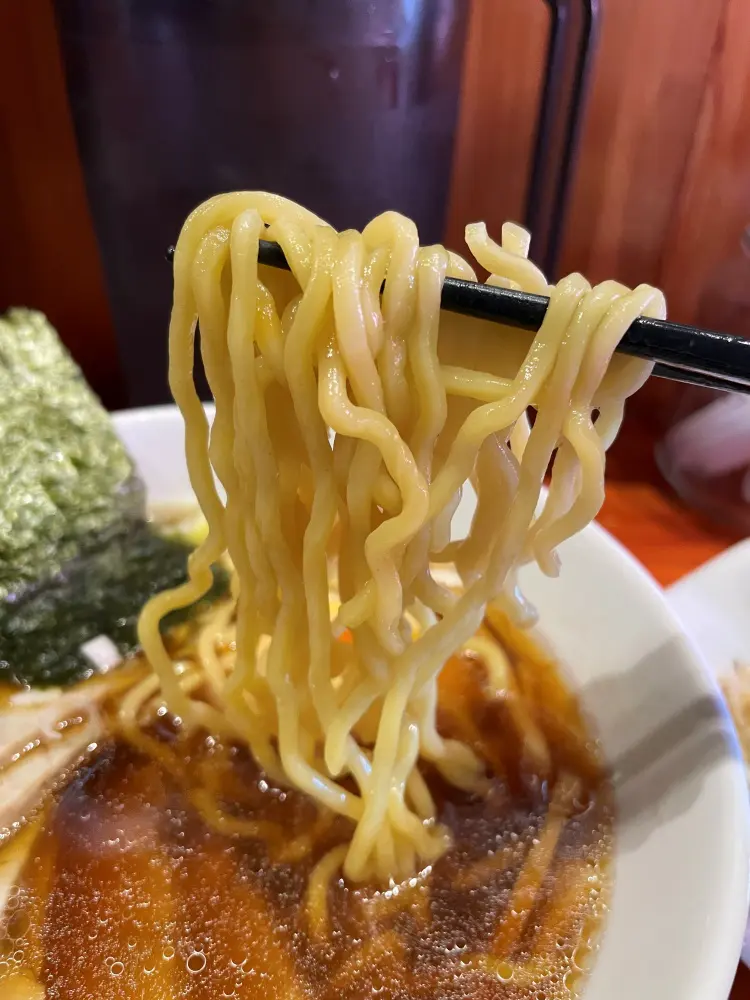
{"x": 712, "y": 966}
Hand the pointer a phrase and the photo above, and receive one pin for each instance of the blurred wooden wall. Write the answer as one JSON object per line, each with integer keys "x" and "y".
{"x": 662, "y": 185}
{"x": 49, "y": 257}
{"x": 502, "y": 86}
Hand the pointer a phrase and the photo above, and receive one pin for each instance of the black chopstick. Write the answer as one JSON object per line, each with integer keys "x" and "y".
{"x": 675, "y": 373}
{"x": 683, "y": 353}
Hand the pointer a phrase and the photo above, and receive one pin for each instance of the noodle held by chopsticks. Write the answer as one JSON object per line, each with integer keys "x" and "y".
{"x": 290, "y": 358}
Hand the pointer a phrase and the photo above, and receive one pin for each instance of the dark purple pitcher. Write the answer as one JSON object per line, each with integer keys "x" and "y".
{"x": 347, "y": 106}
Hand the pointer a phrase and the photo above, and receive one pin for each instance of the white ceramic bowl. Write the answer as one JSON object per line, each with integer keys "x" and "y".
{"x": 681, "y": 860}
{"x": 712, "y": 604}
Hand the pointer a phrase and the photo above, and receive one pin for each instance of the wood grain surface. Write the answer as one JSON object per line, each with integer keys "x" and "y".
{"x": 502, "y": 84}
{"x": 647, "y": 91}
{"x": 704, "y": 272}
{"x": 50, "y": 259}
{"x": 661, "y": 190}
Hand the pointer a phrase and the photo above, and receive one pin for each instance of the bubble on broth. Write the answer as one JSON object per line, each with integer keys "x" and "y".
{"x": 196, "y": 962}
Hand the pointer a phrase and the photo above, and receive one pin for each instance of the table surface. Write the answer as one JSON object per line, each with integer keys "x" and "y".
{"x": 670, "y": 541}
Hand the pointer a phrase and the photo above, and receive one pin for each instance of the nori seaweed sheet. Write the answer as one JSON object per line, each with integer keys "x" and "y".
{"x": 65, "y": 477}
{"x": 101, "y": 593}
{"x": 77, "y": 557}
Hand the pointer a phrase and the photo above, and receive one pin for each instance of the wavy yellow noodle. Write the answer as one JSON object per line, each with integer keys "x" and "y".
{"x": 347, "y": 424}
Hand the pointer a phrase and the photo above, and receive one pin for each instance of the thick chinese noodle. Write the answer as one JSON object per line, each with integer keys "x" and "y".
{"x": 343, "y": 618}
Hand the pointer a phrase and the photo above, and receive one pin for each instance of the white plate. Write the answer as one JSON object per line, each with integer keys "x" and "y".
{"x": 714, "y": 605}
{"x": 681, "y": 859}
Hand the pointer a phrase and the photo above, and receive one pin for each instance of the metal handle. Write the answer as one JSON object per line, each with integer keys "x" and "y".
{"x": 572, "y": 39}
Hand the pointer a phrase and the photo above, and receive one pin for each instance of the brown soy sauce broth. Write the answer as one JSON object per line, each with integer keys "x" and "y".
{"x": 128, "y": 893}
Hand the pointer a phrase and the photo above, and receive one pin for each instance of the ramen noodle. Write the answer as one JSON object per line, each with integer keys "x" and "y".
{"x": 289, "y": 360}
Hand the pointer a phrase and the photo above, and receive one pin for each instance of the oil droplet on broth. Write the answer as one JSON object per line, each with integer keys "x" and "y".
{"x": 18, "y": 925}
{"x": 116, "y": 969}
{"x": 504, "y": 971}
{"x": 196, "y": 962}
